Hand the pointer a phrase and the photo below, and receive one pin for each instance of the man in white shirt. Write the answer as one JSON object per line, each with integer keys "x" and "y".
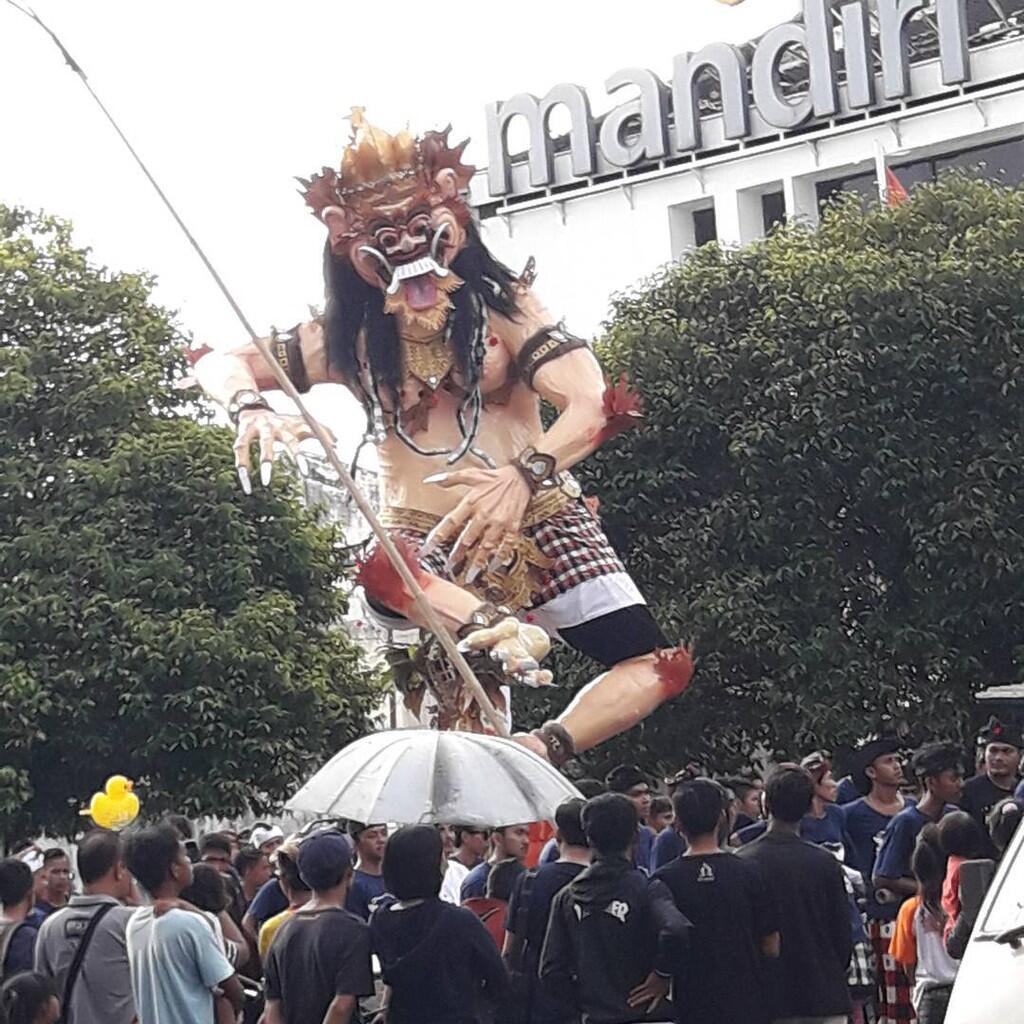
{"x": 174, "y": 958}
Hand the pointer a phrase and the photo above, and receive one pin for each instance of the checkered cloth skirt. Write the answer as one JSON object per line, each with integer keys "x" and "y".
{"x": 860, "y": 975}
{"x": 572, "y": 539}
{"x": 893, "y": 988}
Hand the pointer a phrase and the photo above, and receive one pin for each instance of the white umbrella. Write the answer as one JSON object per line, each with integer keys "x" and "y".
{"x": 421, "y": 776}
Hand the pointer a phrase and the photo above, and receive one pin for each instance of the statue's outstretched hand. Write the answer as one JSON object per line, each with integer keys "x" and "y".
{"x": 273, "y": 432}
{"x": 486, "y": 522}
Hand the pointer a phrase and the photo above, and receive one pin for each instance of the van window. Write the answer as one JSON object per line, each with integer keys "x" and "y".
{"x": 1007, "y": 908}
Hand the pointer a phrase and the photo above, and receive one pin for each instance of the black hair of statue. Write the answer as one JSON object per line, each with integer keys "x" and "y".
{"x": 352, "y": 305}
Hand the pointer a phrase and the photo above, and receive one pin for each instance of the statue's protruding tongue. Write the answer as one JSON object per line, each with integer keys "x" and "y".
{"x": 421, "y": 292}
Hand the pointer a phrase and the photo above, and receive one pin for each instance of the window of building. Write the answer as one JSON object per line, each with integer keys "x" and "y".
{"x": 704, "y": 227}
{"x": 865, "y": 185}
{"x": 773, "y": 210}
{"x": 998, "y": 161}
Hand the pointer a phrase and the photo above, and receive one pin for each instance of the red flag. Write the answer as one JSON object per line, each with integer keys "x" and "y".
{"x": 895, "y": 193}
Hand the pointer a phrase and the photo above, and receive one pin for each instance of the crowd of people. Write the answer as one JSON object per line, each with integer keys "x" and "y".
{"x": 799, "y": 898}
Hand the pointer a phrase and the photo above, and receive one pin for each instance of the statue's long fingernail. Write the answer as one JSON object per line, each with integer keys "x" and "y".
{"x": 303, "y": 463}
{"x": 243, "y": 479}
{"x": 429, "y": 544}
{"x": 473, "y": 573}
{"x": 266, "y": 471}
{"x": 435, "y": 478}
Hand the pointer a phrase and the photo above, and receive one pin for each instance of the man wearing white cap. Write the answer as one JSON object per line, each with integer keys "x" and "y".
{"x": 266, "y": 838}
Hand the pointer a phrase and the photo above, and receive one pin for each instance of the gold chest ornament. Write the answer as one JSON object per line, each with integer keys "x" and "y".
{"x": 428, "y": 361}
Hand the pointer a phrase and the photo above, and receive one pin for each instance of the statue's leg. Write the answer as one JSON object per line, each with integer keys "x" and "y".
{"x": 591, "y": 603}
{"x": 389, "y": 596}
{"x": 644, "y": 672}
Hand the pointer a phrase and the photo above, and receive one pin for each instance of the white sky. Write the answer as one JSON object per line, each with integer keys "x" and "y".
{"x": 228, "y": 101}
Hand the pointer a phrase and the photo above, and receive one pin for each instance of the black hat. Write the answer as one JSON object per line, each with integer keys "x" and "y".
{"x": 864, "y": 756}
{"x": 1001, "y": 732}
{"x": 624, "y": 778}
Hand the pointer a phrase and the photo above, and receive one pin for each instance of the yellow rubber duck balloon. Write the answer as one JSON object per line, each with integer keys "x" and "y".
{"x": 116, "y": 807}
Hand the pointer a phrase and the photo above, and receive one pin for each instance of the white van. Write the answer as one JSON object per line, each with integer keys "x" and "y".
{"x": 989, "y": 987}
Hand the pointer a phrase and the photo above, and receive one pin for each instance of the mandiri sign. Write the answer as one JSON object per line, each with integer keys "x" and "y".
{"x": 668, "y": 116}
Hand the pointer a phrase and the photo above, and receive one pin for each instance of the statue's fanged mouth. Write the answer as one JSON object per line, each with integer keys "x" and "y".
{"x": 417, "y": 275}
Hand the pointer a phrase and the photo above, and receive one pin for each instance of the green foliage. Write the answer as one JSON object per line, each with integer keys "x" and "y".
{"x": 153, "y": 621}
{"x": 827, "y": 494}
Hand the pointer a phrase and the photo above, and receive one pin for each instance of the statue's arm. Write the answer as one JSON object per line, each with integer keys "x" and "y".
{"x": 564, "y": 371}
{"x": 222, "y": 373}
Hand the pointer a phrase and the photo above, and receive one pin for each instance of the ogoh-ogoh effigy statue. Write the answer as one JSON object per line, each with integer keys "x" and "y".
{"x": 450, "y": 354}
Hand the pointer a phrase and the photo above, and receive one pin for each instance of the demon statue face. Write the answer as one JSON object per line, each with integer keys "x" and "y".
{"x": 396, "y": 212}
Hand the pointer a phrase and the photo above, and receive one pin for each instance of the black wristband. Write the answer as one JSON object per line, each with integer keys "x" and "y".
{"x": 287, "y": 349}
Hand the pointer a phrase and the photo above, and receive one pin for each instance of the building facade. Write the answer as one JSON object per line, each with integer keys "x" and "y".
{"x": 744, "y": 138}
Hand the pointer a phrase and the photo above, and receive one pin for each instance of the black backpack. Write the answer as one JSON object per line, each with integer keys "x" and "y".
{"x": 7, "y": 930}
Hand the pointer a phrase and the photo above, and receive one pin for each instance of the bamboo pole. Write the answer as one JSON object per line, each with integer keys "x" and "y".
{"x": 430, "y": 616}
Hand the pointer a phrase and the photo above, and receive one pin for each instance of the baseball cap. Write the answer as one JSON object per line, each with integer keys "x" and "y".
{"x": 324, "y": 858}
{"x": 355, "y": 828}
{"x": 263, "y": 834}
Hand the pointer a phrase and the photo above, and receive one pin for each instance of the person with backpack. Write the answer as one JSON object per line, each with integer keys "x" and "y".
{"x": 82, "y": 947}
{"x": 17, "y": 934}
{"x": 529, "y": 911}
{"x": 492, "y": 907}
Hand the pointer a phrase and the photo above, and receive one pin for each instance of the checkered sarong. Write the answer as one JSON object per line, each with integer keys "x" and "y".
{"x": 861, "y": 973}
{"x": 893, "y": 989}
{"x": 571, "y": 538}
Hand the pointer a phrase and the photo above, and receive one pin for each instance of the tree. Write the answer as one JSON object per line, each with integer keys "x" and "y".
{"x": 827, "y": 491}
{"x": 153, "y": 621}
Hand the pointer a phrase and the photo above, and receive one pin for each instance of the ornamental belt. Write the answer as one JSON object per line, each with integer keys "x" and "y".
{"x": 512, "y": 587}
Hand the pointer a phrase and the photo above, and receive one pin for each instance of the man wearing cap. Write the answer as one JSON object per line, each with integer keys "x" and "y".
{"x": 631, "y": 782}
{"x": 877, "y": 772}
{"x": 319, "y": 965}
{"x": 270, "y": 900}
{"x": 297, "y": 894}
{"x": 367, "y": 884}
{"x": 1002, "y": 744}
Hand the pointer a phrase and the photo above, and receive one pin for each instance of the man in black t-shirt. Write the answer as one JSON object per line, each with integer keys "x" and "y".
{"x": 1002, "y": 743}
{"x": 720, "y": 976}
{"x": 319, "y": 962}
{"x": 528, "y": 913}
{"x": 808, "y": 979}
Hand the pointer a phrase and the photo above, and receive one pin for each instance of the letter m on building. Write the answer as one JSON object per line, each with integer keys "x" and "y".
{"x": 542, "y": 148}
